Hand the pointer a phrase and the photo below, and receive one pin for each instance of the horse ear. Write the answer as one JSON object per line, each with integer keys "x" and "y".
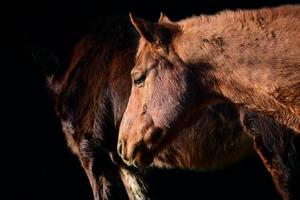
{"x": 159, "y": 33}
{"x": 49, "y": 65}
{"x": 163, "y": 19}
{"x": 144, "y": 28}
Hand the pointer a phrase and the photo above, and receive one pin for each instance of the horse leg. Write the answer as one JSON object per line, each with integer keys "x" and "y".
{"x": 274, "y": 145}
{"x": 104, "y": 177}
{"x": 280, "y": 172}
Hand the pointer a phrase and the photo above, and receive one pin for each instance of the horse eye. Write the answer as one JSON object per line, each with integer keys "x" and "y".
{"x": 139, "y": 81}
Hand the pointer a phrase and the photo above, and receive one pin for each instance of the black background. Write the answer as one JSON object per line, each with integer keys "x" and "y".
{"x": 36, "y": 162}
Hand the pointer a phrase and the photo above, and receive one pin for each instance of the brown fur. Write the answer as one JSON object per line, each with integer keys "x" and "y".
{"x": 250, "y": 58}
{"x": 258, "y": 52}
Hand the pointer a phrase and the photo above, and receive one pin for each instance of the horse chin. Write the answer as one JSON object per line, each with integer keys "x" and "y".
{"x": 143, "y": 160}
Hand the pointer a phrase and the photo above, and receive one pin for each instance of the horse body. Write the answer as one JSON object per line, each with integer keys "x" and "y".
{"x": 250, "y": 58}
{"x": 91, "y": 96}
{"x": 183, "y": 67}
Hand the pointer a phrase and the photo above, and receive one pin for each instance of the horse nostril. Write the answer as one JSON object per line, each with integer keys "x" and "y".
{"x": 119, "y": 149}
{"x": 135, "y": 163}
{"x": 156, "y": 135}
{"x": 153, "y": 136}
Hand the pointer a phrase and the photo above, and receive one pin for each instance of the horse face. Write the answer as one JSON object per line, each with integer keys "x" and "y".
{"x": 158, "y": 100}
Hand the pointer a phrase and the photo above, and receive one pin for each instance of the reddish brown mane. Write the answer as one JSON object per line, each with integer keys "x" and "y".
{"x": 243, "y": 16}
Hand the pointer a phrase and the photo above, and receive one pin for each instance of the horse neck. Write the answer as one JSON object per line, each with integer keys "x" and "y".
{"x": 237, "y": 85}
{"x": 233, "y": 61}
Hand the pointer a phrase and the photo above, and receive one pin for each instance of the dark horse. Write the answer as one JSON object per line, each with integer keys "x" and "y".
{"x": 250, "y": 58}
{"x": 91, "y": 96}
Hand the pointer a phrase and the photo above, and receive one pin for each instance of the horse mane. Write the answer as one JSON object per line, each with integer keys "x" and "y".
{"x": 85, "y": 81}
{"x": 243, "y": 16}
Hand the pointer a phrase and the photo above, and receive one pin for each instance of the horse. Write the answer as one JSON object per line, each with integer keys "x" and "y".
{"x": 90, "y": 97}
{"x": 247, "y": 57}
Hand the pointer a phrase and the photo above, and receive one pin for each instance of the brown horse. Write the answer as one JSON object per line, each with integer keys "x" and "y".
{"x": 91, "y": 96}
{"x": 250, "y": 58}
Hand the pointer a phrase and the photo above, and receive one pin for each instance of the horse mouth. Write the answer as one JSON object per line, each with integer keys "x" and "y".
{"x": 143, "y": 160}
{"x": 141, "y": 156}
{"x": 141, "y": 153}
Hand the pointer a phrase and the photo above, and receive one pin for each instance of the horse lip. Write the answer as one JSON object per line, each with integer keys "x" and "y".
{"x": 128, "y": 163}
{"x": 119, "y": 148}
{"x": 148, "y": 161}
{"x": 145, "y": 163}
{"x": 145, "y": 160}
{"x": 134, "y": 163}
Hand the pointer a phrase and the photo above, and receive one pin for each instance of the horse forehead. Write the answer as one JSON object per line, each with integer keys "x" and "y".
{"x": 145, "y": 56}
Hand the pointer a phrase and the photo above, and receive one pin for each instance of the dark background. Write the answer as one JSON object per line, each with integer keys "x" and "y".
{"x": 36, "y": 162}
